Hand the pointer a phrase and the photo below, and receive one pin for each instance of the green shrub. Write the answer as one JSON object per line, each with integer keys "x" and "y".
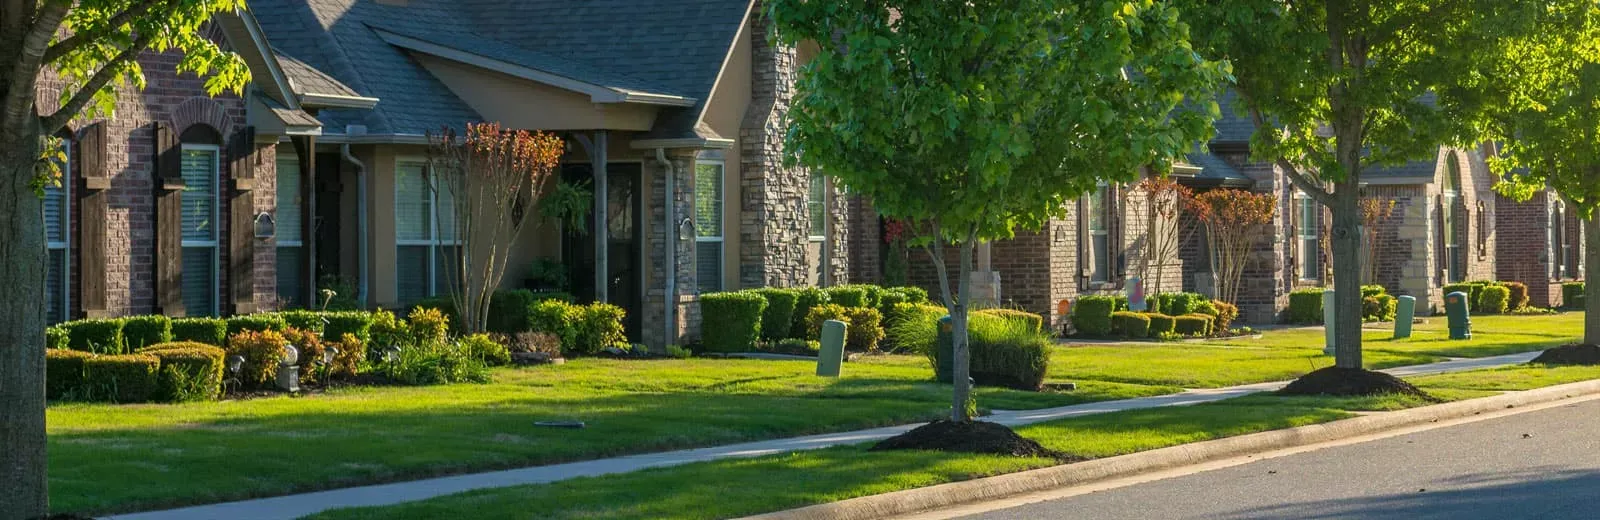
{"x": 1471, "y": 290}
{"x": 63, "y": 373}
{"x": 862, "y": 329}
{"x": 142, "y": 331}
{"x": 256, "y": 323}
{"x": 1305, "y": 306}
{"x": 806, "y": 298}
{"x": 793, "y": 347}
{"x": 1130, "y": 324}
{"x": 387, "y": 329}
{"x": 779, "y": 314}
{"x": 911, "y": 294}
{"x": 1119, "y": 303}
{"x": 886, "y": 302}
{"x": 1092, "y": 315}
{"x": 433, "y": 363}
{"x": 428, "y": 324}
{"x": 101, "y": 336}
{"x": 303, "y": 319}
{"x": 1003, "y": 353}
{"x": 1162, "y": 325}
{"x": 482, "y": 347}
{"x": 128, "y": 378}
{"x": 554, "y": 295}
{"x": 731, "y": 321}
{"x": 1034, "y": 320}
{"x": 347, "y": 360}
{"x": 1572, "y": 295}
{"x": 914, "y": 327}
{"x": 1378, "y": 308}
{"x": 1494, "y": 299}
{"x": 1177, "y": 303}
{"x": 262, "y": 351}
{"x": 356, "y": 323}
{"x": 1373, "y": 290}
{"x": 848, "y": 296}
{"x": 600, "y": 326}
{"x": 189, "y": 371}
{"x": 57, "y": 337}
{"x": 211, "y": 331}
{"x": 310, "y": 351}
{"x": 1193, "y": 325}
{"x": 445, "y": 305}
{"x": 508, "y": 311}
{"x": 1226, "y": 313}
{"x": 557, "y": 318}
{"x": 1518, "y": 295}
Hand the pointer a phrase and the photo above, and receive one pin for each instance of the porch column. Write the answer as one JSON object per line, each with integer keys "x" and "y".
{"x": 602, "y": 228}
{"x": 305, "y": 146}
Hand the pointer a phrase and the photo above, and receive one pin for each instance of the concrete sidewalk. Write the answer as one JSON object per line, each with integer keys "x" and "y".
{"x": 295, "y": 506}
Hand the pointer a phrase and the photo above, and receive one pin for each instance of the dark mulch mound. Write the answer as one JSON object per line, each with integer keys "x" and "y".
{"x": 1573, "y": 354}
{"x": 967, "y": 437}
{"x": 1350, "y": 382}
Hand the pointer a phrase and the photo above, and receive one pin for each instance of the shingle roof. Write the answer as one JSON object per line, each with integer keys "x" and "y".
{"x": 1234, "y": 126}
{"x": 289, "y": 116}
{"x": 305, "y": 79}
{"x": 1213, "y": 167}
{"x": 674, "y": 47}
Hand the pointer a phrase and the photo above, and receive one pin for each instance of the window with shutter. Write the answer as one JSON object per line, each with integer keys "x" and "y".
{"x": 708, "y": 200}
{"x": 1100, "y": 235}
{"x": 57, "y": 231}
{"x": 291, "y": 279}
{"x": 427, "y": 248}
{"x": 1308, "y": 242}
{"x": 199, "y": 228}
{"x": 816, "y": 207}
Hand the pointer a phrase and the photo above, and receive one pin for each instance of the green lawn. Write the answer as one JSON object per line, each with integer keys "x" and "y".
{"x": 799, "y": 479}
{"x": 109, "y": 458}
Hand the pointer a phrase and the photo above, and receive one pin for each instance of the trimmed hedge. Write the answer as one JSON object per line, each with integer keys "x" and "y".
{"x": 1032, "y": 320}
{"x": 1305, "y": 306}
{"x": 189, "y": 371}
{"x": 806, "y": 298}
{"x": 142, "y": 331}
{"x": 1572, "y": 295}
{"x": 1518, "y": 295}
{"x": 1494, "y": 299}
{"x": 1471, "y": 289}
{"x": 211, "y": 331}
{"x": 1092, "y": 315}
{"x": 303, "y": 319}
{"x": 1373, "y": 290}
{"x": 1130, "y": 324}
{"x": 355, "y": 323}
{"x": 56, "y": 337}
{"x": 256, "y": 323}
{"x": 1381, "y": 307}
{"x": 848, "y": 296}
{"x": 862, "y": 331}
{"x": 101, "y": 336}
{"x": 1175, "y": 303}
{"x": 911, "y": 293}
{"x": 1161, "y": 324}
{"x": 1193, "y": 325}
{"x": 128, "y": 378}
{"x": 731, "y": 321}
{"x": 779, "y": 313}
{"x": 508, "y": 311}
{"x": 63, "y": 372}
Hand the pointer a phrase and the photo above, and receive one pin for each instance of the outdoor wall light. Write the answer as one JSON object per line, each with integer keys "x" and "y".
{"x": 288, "y": 372}
{"x": 266, "y": 227}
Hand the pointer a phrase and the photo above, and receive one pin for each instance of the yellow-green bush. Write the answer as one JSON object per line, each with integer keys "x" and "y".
{"x": 128, "y": 378}
{"x": 1033, "y": 320}
{"x": 63, "y": 372}
{"x": 262, "y": 351}
{"x": 189, "y": 371}
{"x": 1130, "y": 324}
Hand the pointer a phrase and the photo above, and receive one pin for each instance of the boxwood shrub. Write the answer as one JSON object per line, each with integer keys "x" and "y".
{"x": 1305, "y": 306}
{"x": 557, "y": 318}
{"x": 63, "y": 373}
{"x": 1572, "y": 295}
{"x": 189, "y": 371}
{"x": 256, "y": 323}
{"x": 1517, "y": 297}
{"x": 600, "y": 326}
{"x": 1468, "y": 288}
{"x": 508, "y": 311}
{"x": 127, "y": 378}
{"x": 731, "y": 321}
{"x": 101, "y": 336}
{"x": 1161, "y": 324}
{"x": 303, "y": 319}
{"x": 1092, "y": 315}
{"x": 1378, "y": 308}
{"x": 1494, "y": 299}
{"x": 1130, "y": 324}
{"x": 806, "y": 298}
{"x": 356, "y": 323}
{"x": 211, "y": 331}
{"x": 142, "y": 331}
{"x": 779, "y": 313}
{"x": 862, "y": 329}
{"x": 848, "y": 296}
{"x": 1175, "y": 303}
{"x": 1193, "y": 325}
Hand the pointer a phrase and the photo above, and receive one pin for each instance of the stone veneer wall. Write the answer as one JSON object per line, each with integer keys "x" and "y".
{"x": 181, "y": 101}
{"x": 686, "y": 324}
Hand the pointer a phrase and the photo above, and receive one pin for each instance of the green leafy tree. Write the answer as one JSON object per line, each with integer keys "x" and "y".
{"x": 977, "y": 118}
{"x": 1337, "y": 87}
{"x": 1550, "y": 123}
{"x": 88, "y": 48}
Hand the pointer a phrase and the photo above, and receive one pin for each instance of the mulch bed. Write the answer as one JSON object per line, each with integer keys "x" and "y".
{"x": 1573, "y": 354}
{"x": 966, "y": 437}
{"x": 1351, "y": 382}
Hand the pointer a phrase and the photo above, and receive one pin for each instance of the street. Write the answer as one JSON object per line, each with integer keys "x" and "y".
{"x": 1543, "y": 464}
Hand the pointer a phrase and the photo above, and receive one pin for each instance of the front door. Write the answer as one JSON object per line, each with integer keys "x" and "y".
{"x": 624, "y": 214}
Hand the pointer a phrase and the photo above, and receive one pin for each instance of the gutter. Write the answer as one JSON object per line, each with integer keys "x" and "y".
{"x": 337, "y": 101}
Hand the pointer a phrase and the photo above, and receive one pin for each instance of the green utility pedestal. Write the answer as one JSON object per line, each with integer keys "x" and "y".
{"x": 1404, "y": 313}
{"x": 831, "y": 355}
{"x": 1455, "y": 309}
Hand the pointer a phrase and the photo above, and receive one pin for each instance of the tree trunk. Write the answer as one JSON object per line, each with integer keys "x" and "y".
{"x": 22, "y": 252}
{"x": 1347, "y": 276}
{"x": 961, "y": 374}
{"x": 1591, "y": 278}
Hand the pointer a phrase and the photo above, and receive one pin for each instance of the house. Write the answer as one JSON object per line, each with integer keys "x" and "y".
{"x": 673, "y": 112}
{"x": 1541, "y": 244}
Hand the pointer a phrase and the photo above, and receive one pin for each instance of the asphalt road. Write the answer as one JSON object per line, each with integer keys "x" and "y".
{"x": 1537, "y": 465}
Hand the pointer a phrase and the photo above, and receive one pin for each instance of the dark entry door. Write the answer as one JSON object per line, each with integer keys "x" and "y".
{"x": 624, "y": 215}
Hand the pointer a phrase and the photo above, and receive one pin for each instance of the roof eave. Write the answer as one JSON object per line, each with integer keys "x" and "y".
{"x": 342, "y": 138}
{"x": 258, "y": 39}
{"x": 684, "y": 142}
{"x": 312, "y": 99}
{"x": 1396, "y": 180}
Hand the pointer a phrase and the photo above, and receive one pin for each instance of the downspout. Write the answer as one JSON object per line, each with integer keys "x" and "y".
{"x": 361, "y": 220}
{"x": 671, "y": 253}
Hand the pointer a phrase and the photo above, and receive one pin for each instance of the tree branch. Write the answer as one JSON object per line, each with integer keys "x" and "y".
{"x": 29, "y": 60}
{"x": 102, "y": 77}
{"x": 72, "y": 43}
{"x": 1312, "y": 189}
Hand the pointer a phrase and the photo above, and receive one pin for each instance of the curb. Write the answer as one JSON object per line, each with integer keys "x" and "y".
{"x": 1067, "y": 475}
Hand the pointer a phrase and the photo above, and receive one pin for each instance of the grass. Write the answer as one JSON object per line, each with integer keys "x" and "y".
{"x": 109, "y": 458}
{"x": 804, "y": 478}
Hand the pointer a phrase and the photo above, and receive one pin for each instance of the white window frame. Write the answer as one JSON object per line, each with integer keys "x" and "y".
{"x": 65, "y": 244}
{"x": 216, "y": 226}
{"x": 1306, "y": 232}
{"x": 1451, "y": 197}
{"x": 823, "y": 203}
{"x": 1100, "y": 257}
{"x": 722, "y": 215}
{"x": 1560, "y": 249}
{"x": 433, "y": 242}
{"x": 280, "y": 244}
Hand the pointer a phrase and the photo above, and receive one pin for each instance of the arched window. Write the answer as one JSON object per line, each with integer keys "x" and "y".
{"x": 201, "y": 166}
{"x": 1483, "y": 231}
{"x": 1450, "y": 206}
{"x": 1560, "y": 250}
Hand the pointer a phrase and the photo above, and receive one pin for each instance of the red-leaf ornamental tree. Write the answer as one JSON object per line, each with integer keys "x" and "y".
{"x": 985, "y": 116}
{"x": 91, "y": 46}
{"x": 1165, "y": 202}
{"x": 1232, "y": 220}
{"x": 489, "y": 183}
